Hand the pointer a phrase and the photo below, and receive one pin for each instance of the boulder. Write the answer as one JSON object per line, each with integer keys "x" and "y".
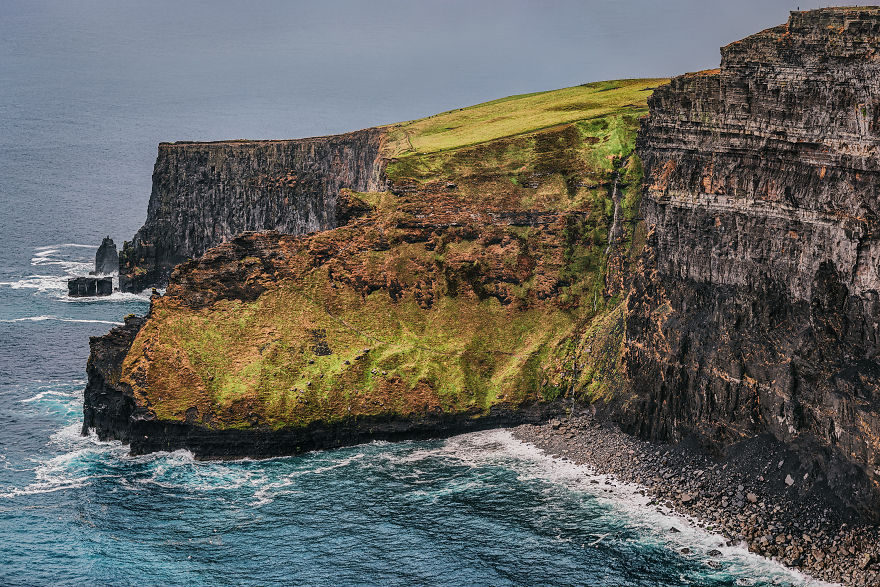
{"x": 104, "y": 286}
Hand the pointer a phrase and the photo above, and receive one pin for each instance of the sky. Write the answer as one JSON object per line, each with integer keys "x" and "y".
{"x": 335, "y": 65}
{"x": 88, "y": 88}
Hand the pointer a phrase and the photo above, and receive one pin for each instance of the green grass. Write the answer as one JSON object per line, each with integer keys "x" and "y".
{"x": 517, "y": 115}
{"x": 256, "y": 360}
{"x": 472, "y": 315}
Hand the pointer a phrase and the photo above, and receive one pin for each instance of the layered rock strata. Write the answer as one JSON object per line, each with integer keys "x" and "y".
{"x": 756, "y": 309}
{"x": 207, "y": 193}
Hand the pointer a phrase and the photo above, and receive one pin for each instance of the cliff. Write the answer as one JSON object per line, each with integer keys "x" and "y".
{"x": 207, "y": 193}
{"x": 438, "y": 307}
{"x": 755, "y": 307}
{"x": 517, "y": 260}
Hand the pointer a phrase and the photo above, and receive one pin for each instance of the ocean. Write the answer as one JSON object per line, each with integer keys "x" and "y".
{"x": 88, "y": 90}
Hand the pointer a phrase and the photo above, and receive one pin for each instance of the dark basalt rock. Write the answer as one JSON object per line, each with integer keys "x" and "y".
{"x": 108, "y": 405}
{"x": 756, "y": 306}
{"x": 205, "y": 194}
{"x": 79, "y": 287}
{"x": 106, "y": 258}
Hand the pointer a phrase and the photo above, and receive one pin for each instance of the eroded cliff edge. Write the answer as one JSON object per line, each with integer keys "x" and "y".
{"x": 500, "y": 273}
{"x": 440, "y": 306}
{"x": 207, "y": 193}
{"x": 756, "y": 307}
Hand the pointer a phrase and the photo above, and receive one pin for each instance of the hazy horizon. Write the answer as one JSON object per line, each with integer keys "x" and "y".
{"x": 93, "y": 87}
{"x": 317, "y": 69}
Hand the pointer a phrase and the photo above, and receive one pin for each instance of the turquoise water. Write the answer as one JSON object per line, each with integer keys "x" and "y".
{"x": 87, "y": 91}
{"x": 480, "y": 508}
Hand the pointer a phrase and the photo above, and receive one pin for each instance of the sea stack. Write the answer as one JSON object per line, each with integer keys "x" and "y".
{"x": 106, "y": 259}
{"x": 80, "y": 287}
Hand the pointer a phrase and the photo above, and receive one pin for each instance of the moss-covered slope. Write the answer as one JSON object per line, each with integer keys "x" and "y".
{"x": 468, "y": 285}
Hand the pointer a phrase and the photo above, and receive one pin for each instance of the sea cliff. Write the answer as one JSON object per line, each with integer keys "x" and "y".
{"x": 516, "y": 263}
{"x": 755, "y": 306}
{"x": 436, "y": 307}
{"x": 699, "y": 267}
{"x": 207, "y": 193}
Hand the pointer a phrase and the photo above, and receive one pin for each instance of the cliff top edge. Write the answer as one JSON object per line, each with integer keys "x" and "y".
{"x": 235, "y": 142}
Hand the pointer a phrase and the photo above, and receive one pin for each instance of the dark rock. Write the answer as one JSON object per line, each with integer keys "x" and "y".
{"x": 205, "y": 194}
{"x": 754, "y": 308}
{"x": 106, "y": 258}
{"x": 104, "y": 286}
{"x": 79, "y": 287}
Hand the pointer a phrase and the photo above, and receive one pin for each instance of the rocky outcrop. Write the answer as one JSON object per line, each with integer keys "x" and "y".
{"x": 756, "y": 306}
{"x": 106, "y": 258}
{"x": 109, "y": 404}
{"x": 431, "y": 309}
{"x": 207, "y": 193}
{"x": 80, "y": 287}
{"x": 113, "y": 410}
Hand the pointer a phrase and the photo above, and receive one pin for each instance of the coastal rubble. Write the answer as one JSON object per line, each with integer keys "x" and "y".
{"x": 742, "y": 495}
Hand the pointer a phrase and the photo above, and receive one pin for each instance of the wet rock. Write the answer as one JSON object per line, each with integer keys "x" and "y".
{"x": 79, "y": 287}
{"x": 106, "y": 258}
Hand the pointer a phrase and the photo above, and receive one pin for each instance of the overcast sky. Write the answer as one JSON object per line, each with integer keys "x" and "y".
{"x": 283, "y": 68}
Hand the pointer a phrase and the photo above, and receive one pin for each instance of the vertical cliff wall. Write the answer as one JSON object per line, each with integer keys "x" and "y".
{"x": 207, "y": 193}
{"x": 756, "y": 308}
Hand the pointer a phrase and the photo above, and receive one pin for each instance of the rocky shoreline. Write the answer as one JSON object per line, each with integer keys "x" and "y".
{"x": 755, "y": 494}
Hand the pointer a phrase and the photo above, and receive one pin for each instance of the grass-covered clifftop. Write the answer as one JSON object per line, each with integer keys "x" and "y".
{"x": 471, "y": 283}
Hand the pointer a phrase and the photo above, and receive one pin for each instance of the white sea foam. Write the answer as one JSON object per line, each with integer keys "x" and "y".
{"x": 116, "y": 296}
{"x": 48, "y": 394}
{"x": 71, "y": 264}
{"x": 530, "y": 463}
{"x": 75, "y": 468}
{"x": 63, "y": 245}
{"x": 60, "y": 319}
{"x": 268, "y": 492}
{"x": 41, "y": 283}
{"x": 70, "y": 469}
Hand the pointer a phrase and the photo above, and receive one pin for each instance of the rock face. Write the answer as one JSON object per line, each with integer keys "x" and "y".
{"x": 80, "y": 287}
{"x": 109, "y": 404}
{"x": 106, "y": 258}
{"x": 756, "y": 307}
{"x": 434, "y": 309}
{"x": 111, "y": 407}
{"x": 207, "y": 193}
